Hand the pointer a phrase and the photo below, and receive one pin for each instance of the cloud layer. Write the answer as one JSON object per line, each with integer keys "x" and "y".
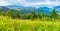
{"x": 30, "y": 2}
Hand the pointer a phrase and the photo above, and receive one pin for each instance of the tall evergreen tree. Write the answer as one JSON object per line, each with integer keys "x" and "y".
{"x": 54, "y": 14}
{"x": 33, "y": 16}
{"x": 18, "y": 15}
{"x": 39, "y": 16}
{"x": 9, "y": 13}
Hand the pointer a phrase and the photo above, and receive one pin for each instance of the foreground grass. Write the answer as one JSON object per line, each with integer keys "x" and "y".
{"x": 8, "y": 24}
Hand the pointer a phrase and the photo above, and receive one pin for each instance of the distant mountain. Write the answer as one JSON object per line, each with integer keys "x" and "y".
{"x": 14, "y": 6}
{"x": 44, "y": 10}
{"x": 57, "y": 8}
{"x": 3, "y": 9}
{"x": 21, "y": 9}
{"x": 27, "y": 10}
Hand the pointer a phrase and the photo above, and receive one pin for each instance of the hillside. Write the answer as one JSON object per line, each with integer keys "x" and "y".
{"x": 25, "y": 10}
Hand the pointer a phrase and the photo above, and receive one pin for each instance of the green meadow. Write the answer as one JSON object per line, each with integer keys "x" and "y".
{"x": 9, "y": 24}
{"x": 10, "y": 21}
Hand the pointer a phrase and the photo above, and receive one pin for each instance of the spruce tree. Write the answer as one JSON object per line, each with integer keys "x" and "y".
{"x": 33, "y": 16}
{"x": 9, "y": 13}
{"x": 18, "y": 15}
{"x": 54, "y": 14}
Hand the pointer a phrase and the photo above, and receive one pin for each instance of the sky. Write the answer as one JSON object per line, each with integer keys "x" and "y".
{"x": 30, "y": 2}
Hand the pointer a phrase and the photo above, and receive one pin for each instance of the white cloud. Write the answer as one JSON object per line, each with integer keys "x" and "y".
{"x": 25, "y": 3}
{"x": 4, "y": 3}
{"x": 47, "y": 2}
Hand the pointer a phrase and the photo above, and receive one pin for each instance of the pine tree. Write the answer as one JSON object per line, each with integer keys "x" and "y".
{"x": 18, "y": 15}
{"x": 39, "y": 16}
{"x": 54, "y": 14}
{"x": 33, "y": 16}
{"x": 0, "y": 13}
{"x": 8, "y": 13}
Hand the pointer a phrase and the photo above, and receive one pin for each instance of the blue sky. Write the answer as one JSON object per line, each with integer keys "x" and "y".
{"x": 30, "y": 2}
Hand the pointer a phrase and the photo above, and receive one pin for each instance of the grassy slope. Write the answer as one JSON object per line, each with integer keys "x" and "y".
{"x": 8, "y": 24}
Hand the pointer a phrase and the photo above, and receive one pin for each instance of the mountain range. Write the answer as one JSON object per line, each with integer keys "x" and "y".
{"x": 29, "y": 9}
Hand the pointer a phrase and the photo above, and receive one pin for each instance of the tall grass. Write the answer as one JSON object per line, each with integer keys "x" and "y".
{"x": 8, "y": 24}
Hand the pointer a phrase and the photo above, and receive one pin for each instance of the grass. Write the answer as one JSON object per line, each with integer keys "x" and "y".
{"x": 8, "y": 24}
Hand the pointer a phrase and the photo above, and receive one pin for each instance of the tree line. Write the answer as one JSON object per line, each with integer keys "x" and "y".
{"x": 32, "y": 16}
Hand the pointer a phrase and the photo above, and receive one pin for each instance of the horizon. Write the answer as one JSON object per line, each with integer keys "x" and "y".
{"x": 49, "y": 3}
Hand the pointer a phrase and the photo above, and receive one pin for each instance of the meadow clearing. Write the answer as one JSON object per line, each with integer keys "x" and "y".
{"x": 8, "y": 24}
